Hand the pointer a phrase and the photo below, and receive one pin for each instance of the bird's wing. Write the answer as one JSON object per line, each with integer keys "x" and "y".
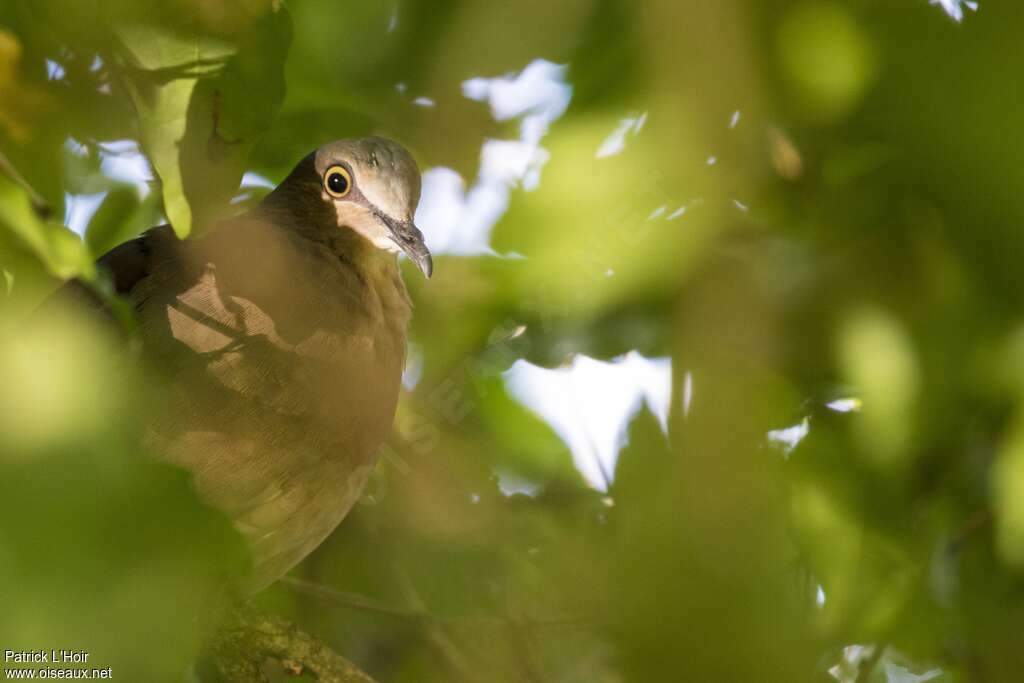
{"x": 127, "y": 264}
{"x": 130, "y": 262}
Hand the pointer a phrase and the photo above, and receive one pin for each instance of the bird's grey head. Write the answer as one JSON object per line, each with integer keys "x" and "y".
{"x": 371, "y": 186}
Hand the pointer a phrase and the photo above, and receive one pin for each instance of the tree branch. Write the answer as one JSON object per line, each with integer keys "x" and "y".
{"x": 248, "y": 638}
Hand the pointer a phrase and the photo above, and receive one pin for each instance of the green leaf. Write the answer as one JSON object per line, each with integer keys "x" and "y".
{"x": 524, "y": 443}
{"x": 57, "y": 248}
{"x": 18, "y": 217}
{"x": 1008, "y": 496}
{"x": 120, "y": 217}
{"x": 202, "y": 102}
{"x": 105, "y": 534}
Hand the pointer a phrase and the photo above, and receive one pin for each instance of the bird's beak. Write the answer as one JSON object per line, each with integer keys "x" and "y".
{"x": 407, "y": 236}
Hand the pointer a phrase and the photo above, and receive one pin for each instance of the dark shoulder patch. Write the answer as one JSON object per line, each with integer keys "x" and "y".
{"x": 129, "y": 263}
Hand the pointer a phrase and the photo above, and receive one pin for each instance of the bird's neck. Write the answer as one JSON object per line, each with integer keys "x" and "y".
{"x": 376, "y": 269}
{"x": 379, "y": 270}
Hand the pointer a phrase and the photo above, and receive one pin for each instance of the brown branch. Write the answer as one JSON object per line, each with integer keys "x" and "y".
{"x": 249, "y": 637}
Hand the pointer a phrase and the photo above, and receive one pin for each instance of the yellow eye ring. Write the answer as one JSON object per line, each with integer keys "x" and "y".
{"x": 337, "y": 181}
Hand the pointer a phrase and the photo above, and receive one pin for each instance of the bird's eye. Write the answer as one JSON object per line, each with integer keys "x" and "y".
{"x": 338, "y": 181}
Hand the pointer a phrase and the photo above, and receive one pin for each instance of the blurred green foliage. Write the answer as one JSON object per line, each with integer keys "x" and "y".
{"x": 852, "y": 231}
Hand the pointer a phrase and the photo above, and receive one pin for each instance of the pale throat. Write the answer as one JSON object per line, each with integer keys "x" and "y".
{"x": 363, "y": 221}
{"x": 379, "y": 265}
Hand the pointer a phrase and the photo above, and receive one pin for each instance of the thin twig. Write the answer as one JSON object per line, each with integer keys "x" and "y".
{"x": 40, "y": 205}
{"x": 347, "y": 599}
{"x": 365, "y": 604}
{"x": 972, "y": 525}
{"x": 436, "y": 634}
{"x": 522, "y": 636}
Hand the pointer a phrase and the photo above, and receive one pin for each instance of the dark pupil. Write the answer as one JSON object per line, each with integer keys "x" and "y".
{"x": 337, "y": 182}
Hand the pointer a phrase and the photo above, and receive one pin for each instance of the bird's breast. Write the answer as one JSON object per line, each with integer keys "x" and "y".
{"x": 322, "y": 349}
